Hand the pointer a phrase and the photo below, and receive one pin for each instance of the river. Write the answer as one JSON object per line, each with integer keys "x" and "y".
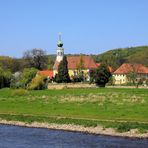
{"x": 22, "y": 137}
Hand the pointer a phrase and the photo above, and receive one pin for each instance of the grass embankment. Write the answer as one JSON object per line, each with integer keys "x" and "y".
{"x": 123, "y": 109}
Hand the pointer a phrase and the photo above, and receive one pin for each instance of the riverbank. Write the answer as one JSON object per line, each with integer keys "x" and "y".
{"x": 99, "y": 111}
{"x": 78, "y": 128}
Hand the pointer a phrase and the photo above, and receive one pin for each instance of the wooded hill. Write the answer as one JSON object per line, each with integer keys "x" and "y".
{"x": 116, "y": 57}
{"x": 113, "y": 58}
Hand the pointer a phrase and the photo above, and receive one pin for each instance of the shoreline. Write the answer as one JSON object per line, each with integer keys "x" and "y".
{"x": 98, "y": 130}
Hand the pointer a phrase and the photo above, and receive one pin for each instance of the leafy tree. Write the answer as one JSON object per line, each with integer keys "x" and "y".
{"x": 80, "y": 67}
{"x": 63, "y": 76}
{"x": 102, "y": 75}
{"x": 6, "y": 62}
{"x": 18, "y": 65}
{"x": 50, "y": 63}
{"x": 27, "y": 76}
{"x": 12, "y": 64}
{"x": 36, "y": 58}
{"x": 111, "y": 80}
{"x": 131, "y": 76}
{"x": 92, "y": 75}
{"x": 5, "y": 77}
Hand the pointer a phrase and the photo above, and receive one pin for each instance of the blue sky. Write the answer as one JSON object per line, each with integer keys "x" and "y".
{"x": 87, "y": 26}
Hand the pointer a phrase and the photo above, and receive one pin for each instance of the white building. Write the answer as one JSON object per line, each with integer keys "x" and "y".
{"x": 120, "y": 75}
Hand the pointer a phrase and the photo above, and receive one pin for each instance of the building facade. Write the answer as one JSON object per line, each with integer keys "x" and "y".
{"x": 121, "y": 74}
{"x": 75, "y": 63}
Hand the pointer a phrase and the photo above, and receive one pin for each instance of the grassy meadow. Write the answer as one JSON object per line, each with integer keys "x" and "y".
{"x": 123, "y": 109}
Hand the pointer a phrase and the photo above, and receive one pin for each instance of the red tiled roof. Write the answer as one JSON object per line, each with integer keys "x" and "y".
{"x": 88, "y": 62}
{"x": 73, "y": 61}
{"x": 47, "y": 73}
{"x": 127, "y": 67}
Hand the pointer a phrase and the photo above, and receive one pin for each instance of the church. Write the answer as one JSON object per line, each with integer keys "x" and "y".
{"x": 87, "y": 62}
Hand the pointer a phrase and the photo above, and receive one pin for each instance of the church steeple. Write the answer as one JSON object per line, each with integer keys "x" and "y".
{"x": 60, "y": 50}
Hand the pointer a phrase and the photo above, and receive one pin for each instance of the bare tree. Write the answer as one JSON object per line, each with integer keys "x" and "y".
{"x": 36, "y": 58}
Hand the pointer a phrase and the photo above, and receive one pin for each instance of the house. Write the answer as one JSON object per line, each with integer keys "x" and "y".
{"x": 120, "y": 75}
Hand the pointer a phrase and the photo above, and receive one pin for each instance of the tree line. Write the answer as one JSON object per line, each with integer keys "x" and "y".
{"x": 22, "y": 73}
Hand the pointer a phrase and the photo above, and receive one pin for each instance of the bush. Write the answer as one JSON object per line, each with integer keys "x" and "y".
{"x": 5, "y": 77}
{"x": 124, "y": 127}
{"x": 77, "y": 79}
{"x": 15, "y": 80}
{"x": 20, "y": 92}
{"x": 27, "y": 76}
{"x": 37, "y": 83}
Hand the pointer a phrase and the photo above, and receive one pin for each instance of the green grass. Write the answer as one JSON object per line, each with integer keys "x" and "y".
{"x": 88, "y": 107}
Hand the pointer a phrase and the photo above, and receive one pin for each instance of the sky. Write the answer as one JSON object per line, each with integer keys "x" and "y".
{"x": 87, "y": 26}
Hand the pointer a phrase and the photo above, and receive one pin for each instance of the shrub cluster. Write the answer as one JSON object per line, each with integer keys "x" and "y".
{"x": 37, "y": 83}
{"x": 28, "y": 79}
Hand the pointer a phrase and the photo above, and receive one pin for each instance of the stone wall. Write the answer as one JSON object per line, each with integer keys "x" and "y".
{"x": 70, "y": 85}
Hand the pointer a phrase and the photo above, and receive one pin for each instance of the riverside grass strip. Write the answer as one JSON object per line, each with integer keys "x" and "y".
{"x": 97, "y": 105}
{"x": 119, "y": 126}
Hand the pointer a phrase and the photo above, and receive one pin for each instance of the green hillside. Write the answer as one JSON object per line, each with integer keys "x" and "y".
{"x": 116, "y": 57}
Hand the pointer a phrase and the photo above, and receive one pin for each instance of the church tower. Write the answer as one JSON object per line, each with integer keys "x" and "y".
{"x": 60, "y": 50}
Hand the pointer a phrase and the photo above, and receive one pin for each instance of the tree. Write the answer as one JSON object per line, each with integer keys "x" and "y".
{"x": 5, "y": 77}
{"x": 6, "y": 62}
{"x": 36, "y": 58}
{"x": 50, "y": 63}
{"x": 102, "y": 75}
{"x": 134, "y": 76}
{"x": 18, "y": 65}
{"x": 131, "y": 76}
{"x": 27, "y": 76}
{"x": 111, "y": 80}
{"x": 92, "y": 75}
{"x": 63, "y": 76}
{"x": 80, "y": 67}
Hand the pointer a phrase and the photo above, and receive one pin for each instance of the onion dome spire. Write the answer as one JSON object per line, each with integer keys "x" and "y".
{"x": 60, "y": 43}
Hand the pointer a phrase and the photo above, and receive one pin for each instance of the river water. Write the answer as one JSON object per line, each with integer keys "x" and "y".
{"x": 22, "y": 137}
